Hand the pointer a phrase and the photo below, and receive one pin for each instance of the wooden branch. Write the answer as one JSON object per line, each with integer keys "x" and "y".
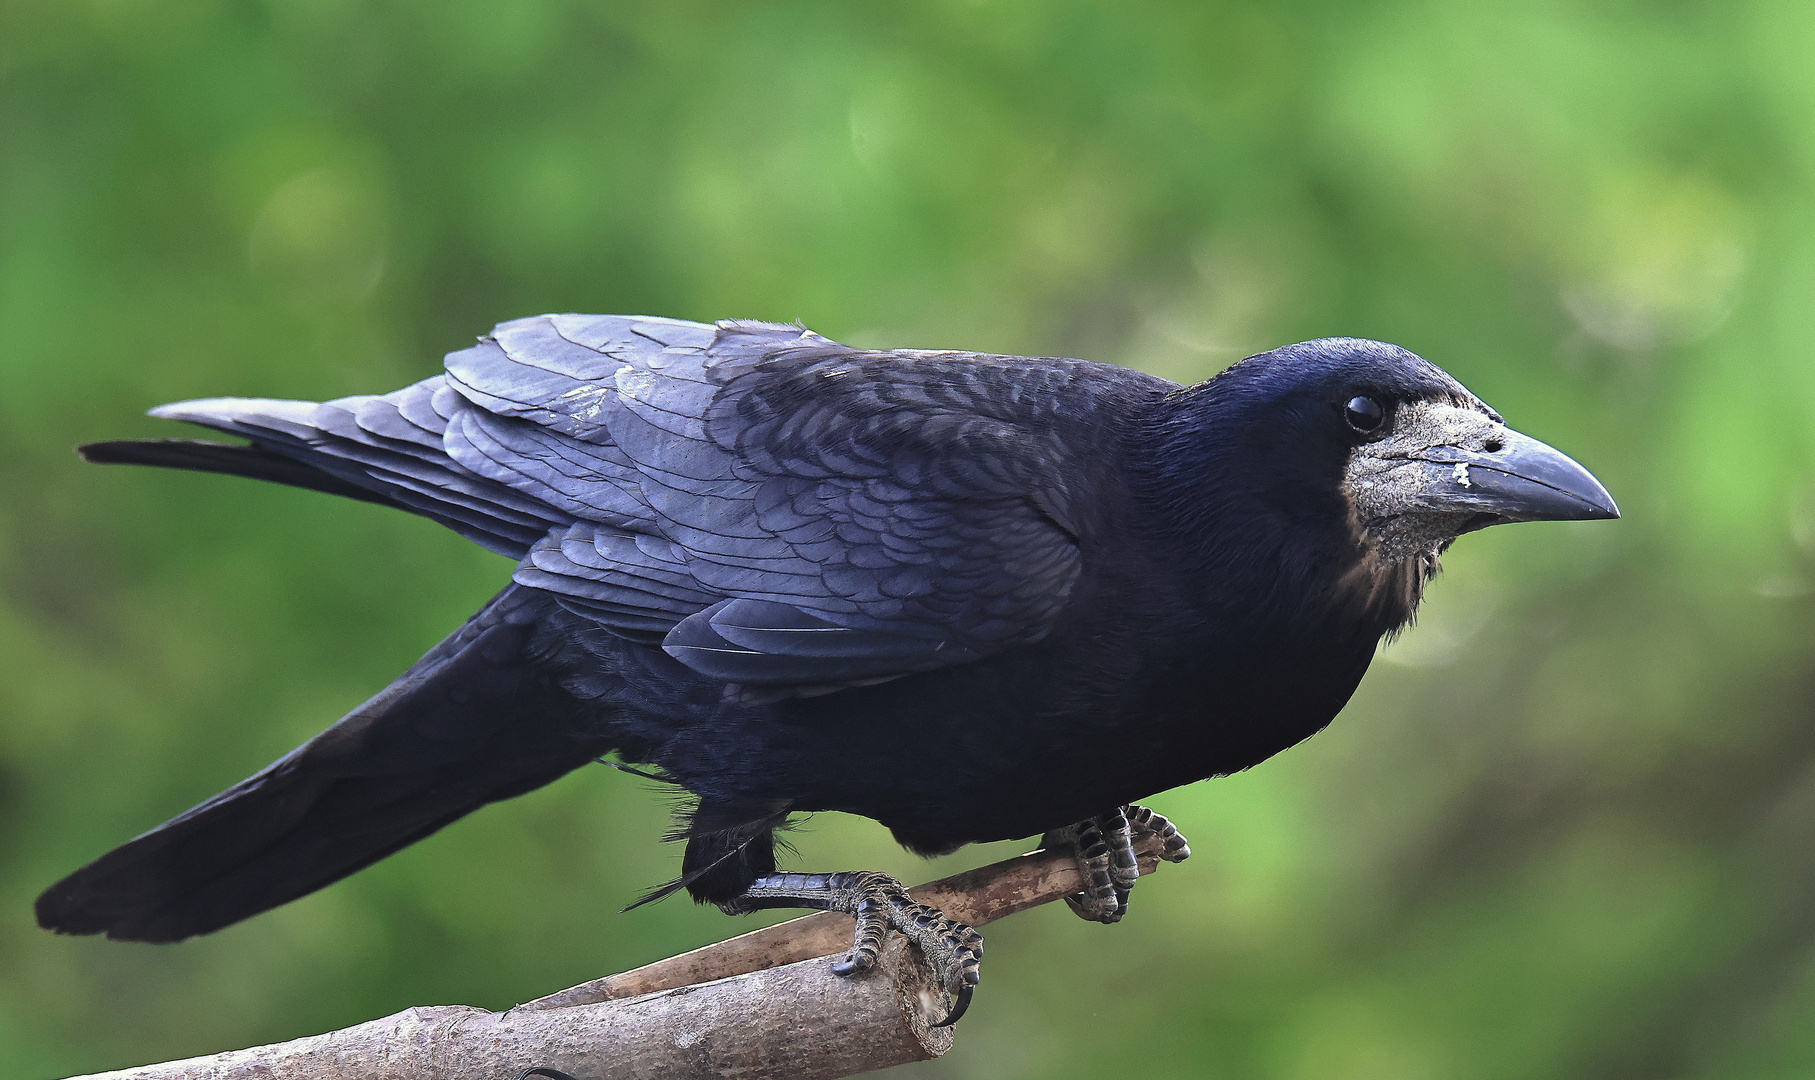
{"x": 764, "y": 1004}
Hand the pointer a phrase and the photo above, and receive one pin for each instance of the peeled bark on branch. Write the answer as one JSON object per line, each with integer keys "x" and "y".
{"x": 763, "y": 1004}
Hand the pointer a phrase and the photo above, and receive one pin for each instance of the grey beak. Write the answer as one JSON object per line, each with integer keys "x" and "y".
{"x": 1523, "y": 480}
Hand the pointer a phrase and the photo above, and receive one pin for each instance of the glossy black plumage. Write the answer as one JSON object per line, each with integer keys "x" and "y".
{"x": 972, "y": 597}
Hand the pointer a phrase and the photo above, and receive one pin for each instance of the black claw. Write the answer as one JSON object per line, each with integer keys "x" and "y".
{"x": 541, "y": 1070}
{"x": 962, "y": 1003}
{"x": 880, "y": 904}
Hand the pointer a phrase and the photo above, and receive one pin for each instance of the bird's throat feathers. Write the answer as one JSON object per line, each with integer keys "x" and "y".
{"x": 1384, "y": 592}
{"x": 1261, "y": 510}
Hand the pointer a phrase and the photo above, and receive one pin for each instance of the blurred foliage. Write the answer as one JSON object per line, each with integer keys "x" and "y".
{"x": 1567, "y": 827}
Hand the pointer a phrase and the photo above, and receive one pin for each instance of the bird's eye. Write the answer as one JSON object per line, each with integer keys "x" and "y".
{"x": 1363, "y": 413}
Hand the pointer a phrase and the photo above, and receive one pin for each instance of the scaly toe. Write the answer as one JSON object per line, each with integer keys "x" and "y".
{"x": 1173, "y": 847}
{"x": 880, "y": 904}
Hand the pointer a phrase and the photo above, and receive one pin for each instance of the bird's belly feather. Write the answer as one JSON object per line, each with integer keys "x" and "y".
{"x": 994, "y": 750}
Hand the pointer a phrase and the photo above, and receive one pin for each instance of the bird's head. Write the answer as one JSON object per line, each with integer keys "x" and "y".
{"x": 1428, "y": 461}
{"x": 1368, "y": 446}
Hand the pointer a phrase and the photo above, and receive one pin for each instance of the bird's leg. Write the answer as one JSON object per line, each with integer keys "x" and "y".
{"x": 879, "y": 903}
{"x": 1104, "y": 847}
{"x": 1105, "y": 855}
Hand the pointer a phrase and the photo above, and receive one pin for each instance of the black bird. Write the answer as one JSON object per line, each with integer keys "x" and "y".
{"x": 972, "y": 597}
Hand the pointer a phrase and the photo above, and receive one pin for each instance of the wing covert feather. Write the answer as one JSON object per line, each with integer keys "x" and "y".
{"x": 849, "y": 514}
{"x": 781, "y": 510}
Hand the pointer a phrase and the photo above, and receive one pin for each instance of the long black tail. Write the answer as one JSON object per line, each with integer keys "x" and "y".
{"x": 476, "y": 720}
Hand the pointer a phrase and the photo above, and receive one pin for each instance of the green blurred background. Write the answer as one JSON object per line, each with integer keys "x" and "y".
{"x": 1567, "y": 827}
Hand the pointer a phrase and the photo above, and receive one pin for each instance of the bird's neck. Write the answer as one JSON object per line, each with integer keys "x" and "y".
{"x": 1255, "y": 540}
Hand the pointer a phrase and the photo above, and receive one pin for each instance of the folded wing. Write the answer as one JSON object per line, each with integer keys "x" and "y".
{"x": 857, "y": 515}
{"x": 776, "y": 509}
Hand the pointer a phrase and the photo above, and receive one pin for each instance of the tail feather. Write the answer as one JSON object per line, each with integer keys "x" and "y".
{"x": 474, "y": 721}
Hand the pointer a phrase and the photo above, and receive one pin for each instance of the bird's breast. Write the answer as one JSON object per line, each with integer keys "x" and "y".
{"x": 1048, "y": 734}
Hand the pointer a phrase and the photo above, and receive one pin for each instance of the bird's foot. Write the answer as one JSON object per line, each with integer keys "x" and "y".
{"x": 879, "y": 903}
{"x": 1104, "y": 848}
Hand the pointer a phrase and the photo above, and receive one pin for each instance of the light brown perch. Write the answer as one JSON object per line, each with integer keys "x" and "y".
{"x": 763, "y": 1004}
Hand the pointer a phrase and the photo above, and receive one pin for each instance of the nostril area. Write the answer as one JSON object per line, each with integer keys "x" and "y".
{"x": 1492, "y": 446}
